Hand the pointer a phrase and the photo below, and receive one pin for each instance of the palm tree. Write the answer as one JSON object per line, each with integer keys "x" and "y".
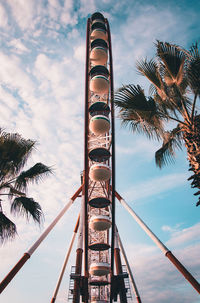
{"x": 14, "y": 153}
{"x": 174, "y": 76}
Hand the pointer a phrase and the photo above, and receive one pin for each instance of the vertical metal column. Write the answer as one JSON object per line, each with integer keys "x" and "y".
{"x": 79, "y": 253}
{"x": 113, "y": 148}
{"x": 113, "y": 156}
{"x": 122, "y": 290}
{"x": 86, "y": 170}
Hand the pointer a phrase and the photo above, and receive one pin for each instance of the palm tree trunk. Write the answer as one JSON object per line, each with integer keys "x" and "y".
{"x": 191, "y": 137}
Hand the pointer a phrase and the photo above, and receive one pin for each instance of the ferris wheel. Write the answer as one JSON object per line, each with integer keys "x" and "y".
{"x": 98, "y": 194}
{"x": 99, "y": 167}
{"x": 98, "y": 275}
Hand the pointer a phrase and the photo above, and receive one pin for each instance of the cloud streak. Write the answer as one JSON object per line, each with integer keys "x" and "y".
{"x": 150, "y": 188}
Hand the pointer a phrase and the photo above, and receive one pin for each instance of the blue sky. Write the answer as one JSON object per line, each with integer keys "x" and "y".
{"x": 42, "y": 57}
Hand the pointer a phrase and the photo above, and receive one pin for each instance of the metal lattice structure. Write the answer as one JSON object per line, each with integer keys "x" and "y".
{"x": 99, "y": 177}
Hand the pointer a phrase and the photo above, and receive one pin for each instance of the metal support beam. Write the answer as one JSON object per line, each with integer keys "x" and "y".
{"x": 86, "y": 162}
{"x": 135, "y": 290}
{"x": 79, "y": 253}
{"x": 66, "y": 261}
{"x": 113, "y": 147}
{"x": 77, "y": 280}
{"x": 31, "y": 250}
{"x": 119, "y": 271}
{"x": 162, "y": 247}
{"x": 113, "y": 152}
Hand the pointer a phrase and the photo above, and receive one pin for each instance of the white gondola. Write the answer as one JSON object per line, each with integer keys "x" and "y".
{"x": 99, "y": 55}
{"x": 100, "y": 223}
{"x": 97, "y": 17}
{"x": 99, "y": 108}
{"x": 99, "y": 154}
{"x": 99, "y": 124}
{"x": 99, "y": 33}
{"x": 98, "y": 20}
{"x": 99, "y": 172}
{"x": 99, "y": 84}
{"x": 99, "y": 269}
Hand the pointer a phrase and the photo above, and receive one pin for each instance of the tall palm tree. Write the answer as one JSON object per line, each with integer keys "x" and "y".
{"x": 174, "y": 76}
{"x": 14, "y": 153}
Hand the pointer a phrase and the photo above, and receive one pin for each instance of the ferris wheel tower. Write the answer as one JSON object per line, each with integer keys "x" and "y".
{"x": 98, "y": 276}
{"x": 98, "y": 195}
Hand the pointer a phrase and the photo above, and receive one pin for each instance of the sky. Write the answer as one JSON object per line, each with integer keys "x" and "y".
{"x": 42, "y": 64}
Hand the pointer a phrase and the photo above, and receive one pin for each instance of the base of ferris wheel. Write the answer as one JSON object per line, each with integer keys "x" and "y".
{"x": 119, "y": 284}
{"x": 98, "y": 283}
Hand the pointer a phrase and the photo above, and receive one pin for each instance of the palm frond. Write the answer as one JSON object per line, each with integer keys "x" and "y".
{"x": 193, "y": 71}
{"x": 149, "y": 69}
{"x": 12, "y": 191}
{"x": 192, "y": 58}
{"x": 142, "y": 128}
{"x": 178, "y": 100}
{"x": 194, "y": 51}
{"x": 14, "y": 153}
{"x": 32, "y": 175}
{"x": 171, "y": 141}
{"x": 139, "y": 112}
{"x": 133, "y": 97}
{"x": 7, "y": 227}
{"x": 152, "y": 90}
{"x": 27, "y": 207}
{"x": 173, "y": 60}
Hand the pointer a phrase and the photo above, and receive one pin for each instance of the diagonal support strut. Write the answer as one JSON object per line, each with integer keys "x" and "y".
{"x": 65, "y": 261}
{"x": 31, "y": 250}
{"x": 135, "y": 290}
{"x": 162, "y": 247}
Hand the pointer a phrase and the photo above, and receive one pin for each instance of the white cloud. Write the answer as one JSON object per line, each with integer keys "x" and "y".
{"x": 139, "y": 146}
{"x": 67, "y": 17}
{"x": 79, "y": 53}
{"x": 54, "y": 9}
{"x": 19, "y": 47}
{"x": 23, "y": 13}
{"x": 61, "y": 14}
{"x": 168, "y": 228}
{"x": 87, "y": 7}
{"x": 13, "y": 75}
{"x": 3, "y": 17}
{"x": 134, "y": 38}
{"x": 187, "y": 235}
